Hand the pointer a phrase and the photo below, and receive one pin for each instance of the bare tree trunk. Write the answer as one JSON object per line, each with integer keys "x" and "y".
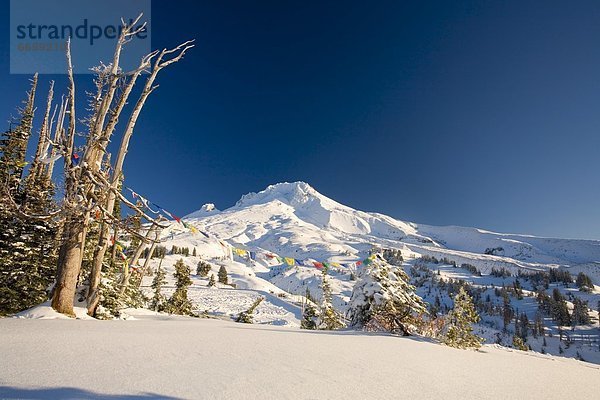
{"x": 118, "y": 168}
{"x": 36, "y": 167}
{"x": 84, "y": 182}
{"x": 75, "y": 222}
{"x": 134, "y": 260}
{"x": 59, "y": 132}
{"x": 147, "y": 260}
{"x": 66, "y": 281}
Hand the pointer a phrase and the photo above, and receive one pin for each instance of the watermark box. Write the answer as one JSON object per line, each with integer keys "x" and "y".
{"x": 39, "y": 30}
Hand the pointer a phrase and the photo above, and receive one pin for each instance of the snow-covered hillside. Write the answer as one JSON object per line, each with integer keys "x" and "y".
{"x": 293, "y": 218}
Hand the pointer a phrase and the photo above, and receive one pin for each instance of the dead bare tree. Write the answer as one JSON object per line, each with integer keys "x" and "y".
{"x": 86, "y": 185}
{"x": 37, "y": 166}
{"x": 149, "y": 87}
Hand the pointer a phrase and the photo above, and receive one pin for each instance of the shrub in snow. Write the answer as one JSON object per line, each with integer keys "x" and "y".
{"x": 246, "y": 317}
{"x": 203, "y": 268}
{"x": 384, "y": 299}
{"x": 519, "y": 344}
{"x": 212, "y": 282}
{"x": 179, "y": 302}
{"x": 459, "y": 332}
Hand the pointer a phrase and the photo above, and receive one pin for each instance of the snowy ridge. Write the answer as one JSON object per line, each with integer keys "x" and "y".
{"x": 292, "y": 218}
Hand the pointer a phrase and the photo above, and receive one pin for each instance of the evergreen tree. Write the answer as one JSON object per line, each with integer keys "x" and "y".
{"x": 310, "y": 316}
{"x": 507, "y": 310}
{"x": 459, "y": 332}
{"x": 523, "y": 326}
{"x": 580, "y": 312}
{"x": 110, "y": 300}
{"x": 212, "y": 282}
{"x": 223, "y": 275}
{"x": 179, "y": 302}
{"x": 13, "y": 145}
{"x": 383, "y": 296}
{"x": 328, "y": 318}
{"x": 247, "y": 316}
{"x": 559, "y": 309}
{"x": 27, "y": 241}
{"x": 584, "y": 282}
{"x": 203, "y": 268}
{"x": 159, "y": 300}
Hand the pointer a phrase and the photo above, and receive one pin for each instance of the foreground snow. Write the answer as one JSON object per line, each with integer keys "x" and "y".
{"x": 156, "y": 356}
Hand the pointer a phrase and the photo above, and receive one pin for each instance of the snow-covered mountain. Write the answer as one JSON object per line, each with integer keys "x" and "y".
{"x": 293, "y": 218}
{"x": 294, "y": 221}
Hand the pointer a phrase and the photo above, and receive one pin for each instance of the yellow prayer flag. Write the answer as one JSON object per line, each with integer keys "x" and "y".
{"x": 240, "y": 252}
{"x": 289, "y": 261}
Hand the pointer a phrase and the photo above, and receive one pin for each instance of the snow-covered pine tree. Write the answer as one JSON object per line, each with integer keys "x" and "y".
{"x": 158, "y": 301}
{"x": 179, "y": 302}
{"x": 384, "y": 299}
{"x": 328, "y": 318}
{"x": 27, "y": 248}
{"x": 310, "y": 316}
{"x": 459, "y": 332}
{"x": 223, "y": 275}
{"x": 203, "y": 268}
{"x": 247, "y": 317}
{"x": 580, "y": 315}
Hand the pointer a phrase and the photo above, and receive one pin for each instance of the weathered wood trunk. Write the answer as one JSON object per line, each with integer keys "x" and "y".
{"x": 92, "y": 296}
{"x": 70, "y": 264}
{"x": 144, "y": 269}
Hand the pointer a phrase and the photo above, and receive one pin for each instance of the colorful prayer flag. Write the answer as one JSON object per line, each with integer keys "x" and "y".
{"x": 240, "y": 252}
{"x": 289, "y": 261}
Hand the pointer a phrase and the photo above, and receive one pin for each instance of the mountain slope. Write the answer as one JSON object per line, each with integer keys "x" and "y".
{"x": 293, "y": 218}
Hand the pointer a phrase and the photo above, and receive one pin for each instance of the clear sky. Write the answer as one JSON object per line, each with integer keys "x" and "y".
{"x": 473, "y": 113}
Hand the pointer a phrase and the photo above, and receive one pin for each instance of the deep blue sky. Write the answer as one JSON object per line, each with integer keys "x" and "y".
{"x": 480, "y": 113}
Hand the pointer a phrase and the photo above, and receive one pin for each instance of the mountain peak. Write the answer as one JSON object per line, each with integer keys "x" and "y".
{"x": 205, "y": 210}
{"x": 293, "y": 193}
